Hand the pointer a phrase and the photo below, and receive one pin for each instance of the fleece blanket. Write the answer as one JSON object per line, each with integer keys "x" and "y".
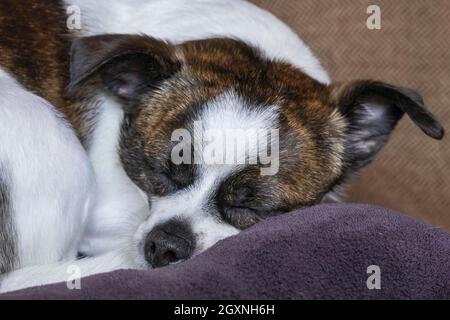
{"x": 325, "y": 252}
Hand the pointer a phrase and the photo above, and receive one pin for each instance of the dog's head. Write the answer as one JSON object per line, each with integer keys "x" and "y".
{"x": 218, "y": 137}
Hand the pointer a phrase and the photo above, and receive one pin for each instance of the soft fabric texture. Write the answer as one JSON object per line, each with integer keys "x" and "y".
{"x": 412, "y": 49}
{"x": 317, "y": 253}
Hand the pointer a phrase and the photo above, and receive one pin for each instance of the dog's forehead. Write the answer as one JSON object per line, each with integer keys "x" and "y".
{"x": 230, "y": 111}
{"x": 229, "y": 119}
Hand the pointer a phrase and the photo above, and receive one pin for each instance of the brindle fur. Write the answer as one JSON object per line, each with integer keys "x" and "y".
{"x": 34, "y": 48}
{"x": 7, "y": 232}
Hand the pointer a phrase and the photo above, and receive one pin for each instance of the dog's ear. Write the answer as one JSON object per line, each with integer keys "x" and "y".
{"x": 126, "y": 65}
{"x": 372, "y": 110}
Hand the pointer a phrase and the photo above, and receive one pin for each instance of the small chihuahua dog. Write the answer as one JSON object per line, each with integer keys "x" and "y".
{"x": 112, "y": 137}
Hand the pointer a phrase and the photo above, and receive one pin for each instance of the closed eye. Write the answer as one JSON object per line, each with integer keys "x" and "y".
{"x": 160, "y": 183}
{"x": 241, "y": 217}
{"x": 164, "y": 179}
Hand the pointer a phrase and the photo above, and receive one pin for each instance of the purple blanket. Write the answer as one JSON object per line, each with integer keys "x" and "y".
{"x": 318, "y": 253}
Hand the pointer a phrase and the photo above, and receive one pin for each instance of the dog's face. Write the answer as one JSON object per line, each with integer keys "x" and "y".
{"x": 187, "y": 107}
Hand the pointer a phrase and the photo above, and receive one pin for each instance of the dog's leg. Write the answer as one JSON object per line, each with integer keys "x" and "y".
{"x": 47, "y": 181}
{"x": 68, "y": 271}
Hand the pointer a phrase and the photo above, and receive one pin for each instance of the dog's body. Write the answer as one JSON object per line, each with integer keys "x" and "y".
{"x": 228, "y": 64}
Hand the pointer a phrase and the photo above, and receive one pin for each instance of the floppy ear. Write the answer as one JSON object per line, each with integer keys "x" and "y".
{"x": 373, "y": 109}
{"x": 126, "y": 65}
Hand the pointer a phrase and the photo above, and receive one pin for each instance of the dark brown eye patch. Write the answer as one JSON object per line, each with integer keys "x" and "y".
{"x": 159, "y": 183}
{"x": 164, "y": 179}
{"x": 240, "y": 217}
{"x": 241, "y": 204}
{"x": 244, "y": 217}
{"x": 183, "y": 175}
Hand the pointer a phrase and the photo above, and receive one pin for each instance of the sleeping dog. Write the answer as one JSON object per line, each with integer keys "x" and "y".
{"x": 88, "y": 122}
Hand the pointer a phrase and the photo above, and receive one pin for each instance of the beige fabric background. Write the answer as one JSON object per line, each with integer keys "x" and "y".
{"x": 412, "y": 173}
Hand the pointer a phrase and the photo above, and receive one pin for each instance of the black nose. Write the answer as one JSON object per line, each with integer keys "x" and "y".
{"x": 169, "y": 242}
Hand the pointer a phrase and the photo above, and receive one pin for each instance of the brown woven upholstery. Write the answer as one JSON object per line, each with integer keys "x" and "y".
{"x": 412, "y": 173}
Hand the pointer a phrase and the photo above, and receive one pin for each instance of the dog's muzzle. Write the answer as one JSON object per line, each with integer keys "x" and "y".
{"x": 170, "y": 242}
